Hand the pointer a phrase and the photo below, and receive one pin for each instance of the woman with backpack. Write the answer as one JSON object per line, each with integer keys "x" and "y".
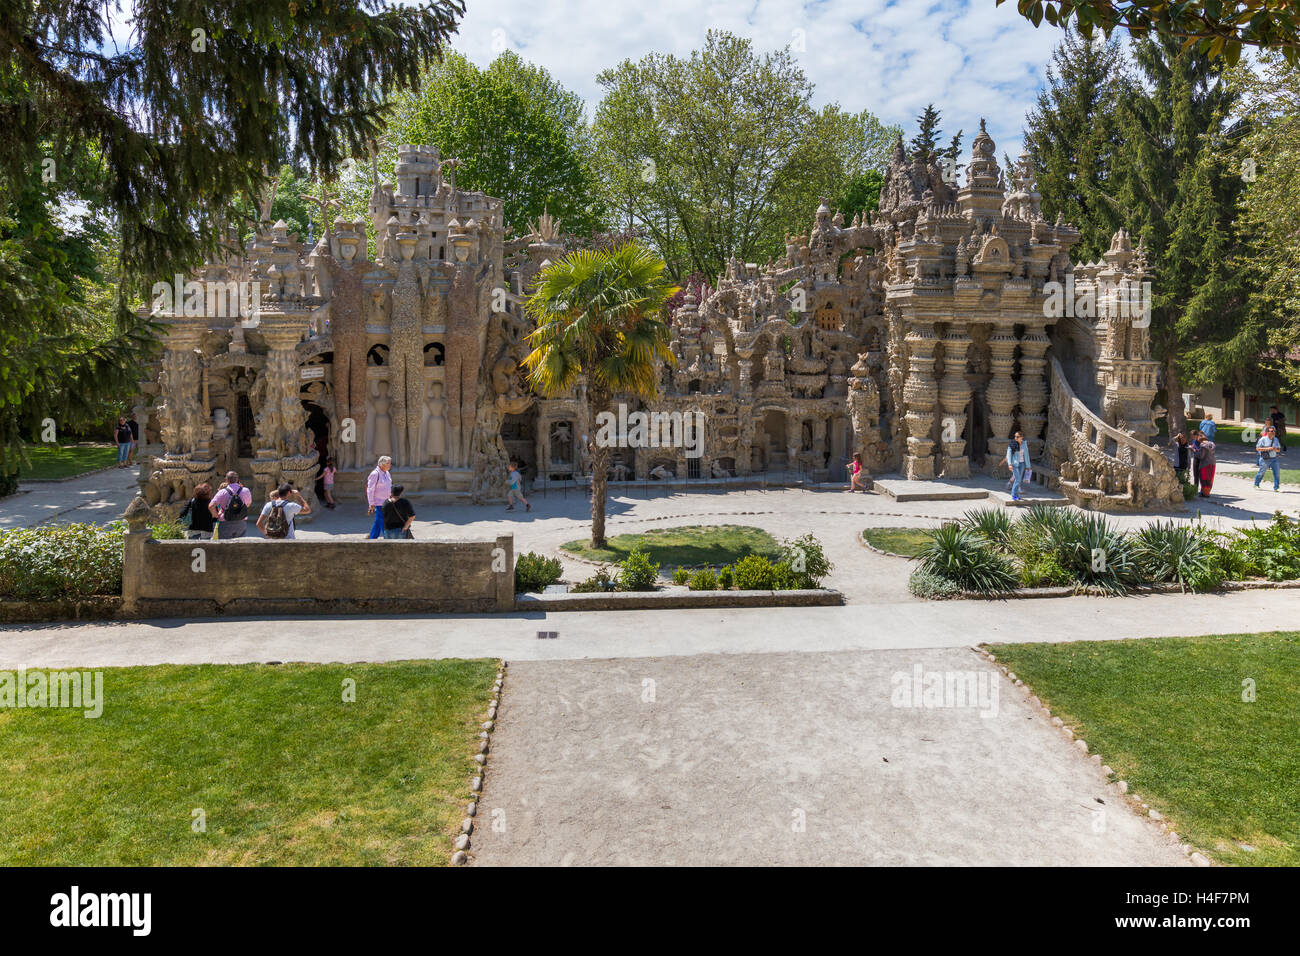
{"x": 195, "y": 516}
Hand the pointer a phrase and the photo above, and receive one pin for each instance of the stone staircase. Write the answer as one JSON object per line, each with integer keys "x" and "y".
{"x": 1101, "y": 467}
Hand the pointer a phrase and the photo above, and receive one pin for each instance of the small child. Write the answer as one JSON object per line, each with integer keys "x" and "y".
{"x": 327, "y": 482}
{"x": 516, "y": 489}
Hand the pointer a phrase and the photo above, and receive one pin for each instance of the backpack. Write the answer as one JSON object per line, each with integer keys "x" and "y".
{"x": 236, "y": 510}
{"x": 277, "y": 525}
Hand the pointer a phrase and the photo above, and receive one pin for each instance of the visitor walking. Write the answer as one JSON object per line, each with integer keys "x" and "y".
{"x": 195, "y": 516}
{"x": 230, "y": 507}
{"x": 1279, "y": 426}
{"x": 1017, "y": 463}
{"x": 516, "y": 489}
{"x": 1208, "y": 428}
{"x": 855, "y": 474}
{"x": 132, "y": 424}
{"x": 1182, "y": 456}
{"x": 1204, "y": 454}
{"x": 398, "y": 515}
{"x": 122, "y": 434}
{"x": 379, "y": 484}
{"x": 327, "y": 482}
{"x": 1266, "y": 451}
{"x": 277, "y": 518}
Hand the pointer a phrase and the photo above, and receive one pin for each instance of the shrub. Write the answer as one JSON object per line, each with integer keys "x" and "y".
{"x": 935, "y": 587}
{"x": 1032, "y": 535}
{"x": 638, "y": 572}
{"x": 1044, "y": 570}
{"x": 785, "y": 578}
{"x": 533, "y": 572}
{"x": 167, "y": 530}
{"x": 962, "y": 558}
{"x": 1189, "y": 491}
{"x": 724, "y": 578}
{"x": 755, "y": 573}
{"x": 61, "y": 561}
{"x": 807, "y": 561}
{"x": 992, "y": 526}
{"x": 1168, "y": 552}
{"x": 8, "y": 484}
{"x": 704, "y": 580}
{"x": 1272, "y": 551}
{"x": 1096, "y": 554}
{"x": 681, "y": 576}
{"x": 603, "y": 580}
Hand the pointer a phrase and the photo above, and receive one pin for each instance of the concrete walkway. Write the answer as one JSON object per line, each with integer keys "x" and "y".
{"x": 789, "y": 759}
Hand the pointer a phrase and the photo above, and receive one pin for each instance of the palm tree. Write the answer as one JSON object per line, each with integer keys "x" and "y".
{"x": 600, "y": 317}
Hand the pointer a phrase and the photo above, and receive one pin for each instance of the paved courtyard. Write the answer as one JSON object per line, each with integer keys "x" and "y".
{"x": 757, "y": 759}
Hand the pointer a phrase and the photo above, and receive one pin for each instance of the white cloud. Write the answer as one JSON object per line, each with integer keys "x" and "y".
{"x": 970, "y": 58}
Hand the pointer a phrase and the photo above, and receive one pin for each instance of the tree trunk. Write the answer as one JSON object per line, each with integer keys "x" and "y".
{"x": 1174, "y": 414}
{"x": 599, "y": 472}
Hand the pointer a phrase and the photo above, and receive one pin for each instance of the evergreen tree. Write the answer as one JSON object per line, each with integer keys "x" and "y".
{"x": 925, "y": 143}
{"x": 165, "y": 136}
{"x": 1177, "y": 199}
{"x": 1071, "y": 137}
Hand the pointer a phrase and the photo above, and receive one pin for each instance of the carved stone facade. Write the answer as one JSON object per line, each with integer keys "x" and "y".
{"x": 922, "y": 336}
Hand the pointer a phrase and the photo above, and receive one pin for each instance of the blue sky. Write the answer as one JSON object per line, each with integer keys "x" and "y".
{"x": 971, "y": 58}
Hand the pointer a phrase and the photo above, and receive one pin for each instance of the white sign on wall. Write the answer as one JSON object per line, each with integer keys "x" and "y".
{"x": 313, "y": 371}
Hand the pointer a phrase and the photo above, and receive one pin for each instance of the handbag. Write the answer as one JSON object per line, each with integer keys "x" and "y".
{"x": 186, "y": 517}
{"x": 410, "y": 535}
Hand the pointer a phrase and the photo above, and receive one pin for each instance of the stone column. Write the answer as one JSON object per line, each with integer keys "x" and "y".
{"x": 182, "y": 427}
{"x": 954, "y": 396}
{"x": 283, "y": 452}
{"x": 1001, "y": 393}
{"x": 920, "y": 394}
{"x": 1033, "y": 388}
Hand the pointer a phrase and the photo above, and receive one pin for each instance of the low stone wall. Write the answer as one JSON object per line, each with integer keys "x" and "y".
{"x": 254, "y": 576}
{"x": 676, "y": 599}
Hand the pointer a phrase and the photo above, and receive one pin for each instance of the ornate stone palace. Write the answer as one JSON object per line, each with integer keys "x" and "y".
{"x": 921, "y": 336}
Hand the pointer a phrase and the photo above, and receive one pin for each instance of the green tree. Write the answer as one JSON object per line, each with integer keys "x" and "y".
{"x": 1267, "y": 157}
{"x": 722, "y": 153}
{"x": 861, "y": 194}
{"x": 519, "y": 135}
{"x": 600, "y": 319}
{"x": 166, "y": 137}
{"x": 1071, "y": 134}
{"x": 1215, "y": 27}
{"x": 1180, "y": 200}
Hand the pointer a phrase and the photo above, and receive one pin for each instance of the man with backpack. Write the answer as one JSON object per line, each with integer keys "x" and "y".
{"x": 276, "y": 520}
{"x": 230, "y": 507}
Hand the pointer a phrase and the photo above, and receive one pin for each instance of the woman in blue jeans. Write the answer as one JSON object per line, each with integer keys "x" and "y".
{"x": 1018, "y": 463}
{"x": 1266, "y": 450}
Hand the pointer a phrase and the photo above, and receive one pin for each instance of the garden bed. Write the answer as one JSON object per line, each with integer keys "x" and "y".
{"x": 688, "y": 546}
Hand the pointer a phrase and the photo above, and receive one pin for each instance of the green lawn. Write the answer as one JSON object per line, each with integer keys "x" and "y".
{"x": 66, "y": 461}
{"x": 905, "y": 542}
{"x": 687, "y": 546}
{"x": 286, "y": 771}
{"x": 1167, "y": 715}
{"x": 1290, "y": 476}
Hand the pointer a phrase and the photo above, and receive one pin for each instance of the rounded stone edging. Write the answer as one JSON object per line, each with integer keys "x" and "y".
{"x": 461, "y": 845}
{"x": 1121, "y": 786}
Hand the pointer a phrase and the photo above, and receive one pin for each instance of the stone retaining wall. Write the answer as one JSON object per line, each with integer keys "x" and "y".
{"x": 254, "y": 576}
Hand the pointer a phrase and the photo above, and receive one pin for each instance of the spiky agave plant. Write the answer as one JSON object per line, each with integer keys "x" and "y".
{"x": 992, "y": 525}
{"x": 959, "y": 556}
{"x": 1168, "y": 552}
{"x": 1096, "y": 554}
